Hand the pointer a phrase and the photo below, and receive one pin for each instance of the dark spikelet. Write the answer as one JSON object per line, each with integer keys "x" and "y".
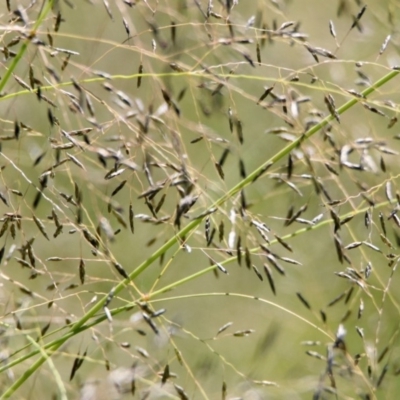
{"x": 257, "y": 272}
{"x": 267, "y": 91}
{"x": 242, "y": 169}
{"x": 165, "y": 375}
{"x": 157, "y": 208}
{"x": 230, "y": 119}
{"x": 283, "y": 243}
{"x": 247, "y": 257}
{"x": 220, "y": 170}
{"x": 262, "y": 171}
{"x": 290, "y": 166}
{"x": 40, "y": 226}
{"x": 90, "y": 238}
{"x": 82, "y": 271}
{"x": 339, "y": 248}
{"x": 248, "y": 58}
{"x": 139, "y": 78}
{"x": 275, "y": 264}
{"x": 330, "y": 103}
{"x": 223, "y": 157}
{"x": 131, "y": 218}
{"x": 239, "y": 250}
{"x": 121, "y": 270}
{"x": 382, "y": 222}
{"x": 358, "y": 17}
{"x": 336, "y": 220}
{"x": 77, "y": 364}
{"x": 382, "y": 375}
{"x": 2, "y": 253}
{"x": 239, "y": 131}
{"x": 173, "y": 32}
{"x": 224, "y": 390}
{"x": 323, "y": 316}
{"x": 221, "y": 231}
{"x": 118, "y": 188}
{"x": 258, "y": 51}
{"x": 270, "y": 278}
{"x": 17, "y": 130}
{"x": 150, "y": 322}
{"x": 336, "y": 299}
{"x": 44, "y": 329}
{"x": 348, "y": 295}
{"x": 181, "y": 392}
{"x": 212, "y": 234}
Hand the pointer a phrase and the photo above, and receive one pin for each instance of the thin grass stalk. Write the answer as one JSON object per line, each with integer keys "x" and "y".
{"x": 48, "y": 5}
{"x": 192, "y": 225}
{"x": 167, "y": 288}
{"x": 245, "y": 182}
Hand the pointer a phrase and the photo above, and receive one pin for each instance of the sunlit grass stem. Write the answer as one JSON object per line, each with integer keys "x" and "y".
{"x": 80, "y": 324}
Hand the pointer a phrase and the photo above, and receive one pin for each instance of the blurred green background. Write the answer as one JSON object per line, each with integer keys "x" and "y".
{"x": 207, "y": 55}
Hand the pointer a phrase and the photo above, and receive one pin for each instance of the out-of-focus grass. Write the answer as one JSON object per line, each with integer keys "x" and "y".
{"x": 274, "y": 351}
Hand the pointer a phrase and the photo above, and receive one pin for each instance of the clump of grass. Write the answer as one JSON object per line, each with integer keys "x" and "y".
{"x": 199, "y": 200}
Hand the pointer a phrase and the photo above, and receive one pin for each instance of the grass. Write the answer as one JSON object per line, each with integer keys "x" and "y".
{"x": 105, "y": 164}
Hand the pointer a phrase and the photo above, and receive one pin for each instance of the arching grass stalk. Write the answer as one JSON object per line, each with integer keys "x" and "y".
{"x": 48, "y": 5}
{"x": 118, "y": 310}
{"x": 232, "y": 259}
{"x": 192, "y": 225}
{"x": 59, "y": 381}
{"x": 232, "y": 192}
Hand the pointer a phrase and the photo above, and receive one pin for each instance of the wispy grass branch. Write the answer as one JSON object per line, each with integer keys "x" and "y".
{"x": 82, "y": 324}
